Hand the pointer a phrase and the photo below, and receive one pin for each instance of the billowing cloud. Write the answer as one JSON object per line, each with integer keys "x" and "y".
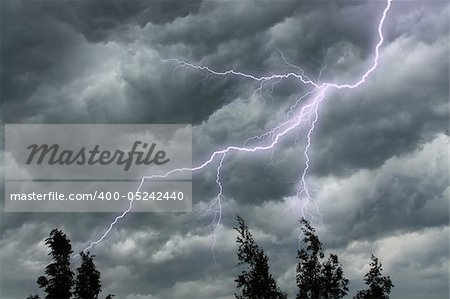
{"x": 379, "y": 157}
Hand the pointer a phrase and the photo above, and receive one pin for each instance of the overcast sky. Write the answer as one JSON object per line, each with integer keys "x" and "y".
{"x": 379, "y": 171}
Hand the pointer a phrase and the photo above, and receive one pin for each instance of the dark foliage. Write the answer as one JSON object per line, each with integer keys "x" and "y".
{"x": 59, "y": 280}
{"x": 379, "y": 286}
{"x": 255, "y": 281}
{"x": 87, "y": 284}
{"x": 317, "y": 279}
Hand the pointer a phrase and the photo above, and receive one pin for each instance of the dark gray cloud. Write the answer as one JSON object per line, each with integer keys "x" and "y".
{"x": 379, "y": 158}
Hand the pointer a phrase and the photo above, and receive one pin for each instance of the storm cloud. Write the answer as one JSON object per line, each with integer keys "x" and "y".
{"x": 379, "y": 157}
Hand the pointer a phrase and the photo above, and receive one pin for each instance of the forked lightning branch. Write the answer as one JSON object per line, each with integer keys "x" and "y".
{"x": 304, "y": 112}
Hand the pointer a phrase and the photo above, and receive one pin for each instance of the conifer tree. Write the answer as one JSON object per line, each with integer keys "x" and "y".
{"x": 59, "y": 280}
{"x": 379, "y": 286}
{"x": 87, "y": 283}
{"x": 255, "y": 281}
{"x": 317, "y": 279}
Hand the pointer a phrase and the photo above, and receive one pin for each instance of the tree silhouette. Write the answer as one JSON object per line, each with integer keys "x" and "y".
{"x": 308, "y": 268}
{"x": 317, "y": 280}
{"x": 59, "y": 279}
{"x": 379, "y": 286}
{"x": 255, "y": 281}
{"x": 87, "y": 283}
{"x": 334, "y": 284}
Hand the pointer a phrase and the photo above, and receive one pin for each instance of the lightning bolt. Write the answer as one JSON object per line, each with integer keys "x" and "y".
{"x": 307, "y": 114}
